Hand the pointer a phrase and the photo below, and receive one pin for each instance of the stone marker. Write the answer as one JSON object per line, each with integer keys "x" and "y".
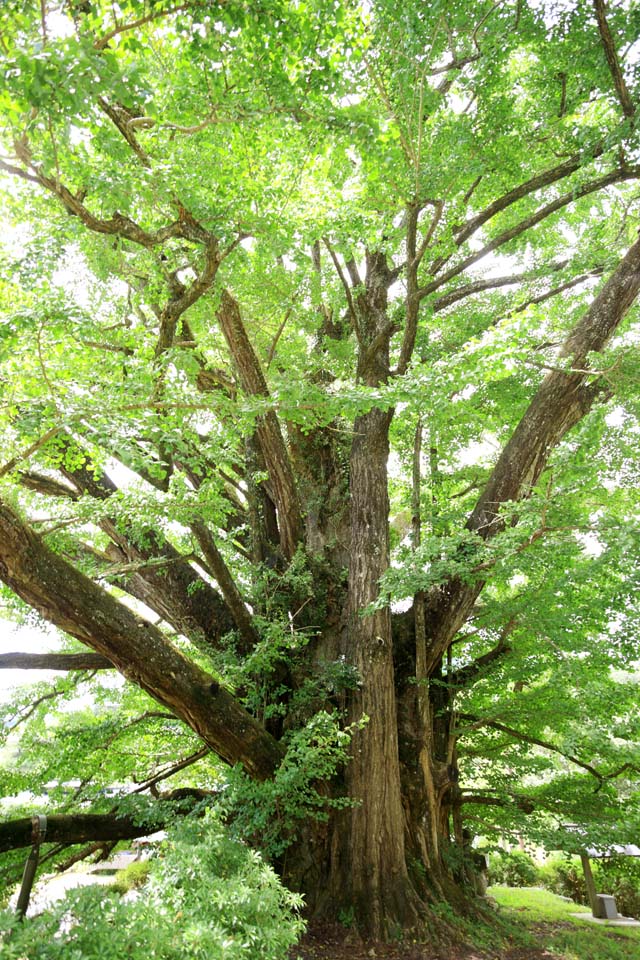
{"x": 607, "y": 909}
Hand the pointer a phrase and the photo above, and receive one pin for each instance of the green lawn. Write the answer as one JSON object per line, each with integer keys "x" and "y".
{"x": 551, "y": 922}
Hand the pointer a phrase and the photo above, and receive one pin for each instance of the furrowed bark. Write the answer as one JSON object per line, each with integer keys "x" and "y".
{"x": 137, "y": 649}
{"x": 375, "y": 871}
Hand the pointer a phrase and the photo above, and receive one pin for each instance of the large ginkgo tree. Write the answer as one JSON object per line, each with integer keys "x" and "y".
{"x": 318, "y": 399}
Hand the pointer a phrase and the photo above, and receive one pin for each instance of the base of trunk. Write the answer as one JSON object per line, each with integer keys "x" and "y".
{"x": 387, "y": 908}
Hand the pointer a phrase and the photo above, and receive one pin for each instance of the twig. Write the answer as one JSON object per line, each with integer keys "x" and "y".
{"x": 343, "y": 280}
{"x": 21, "y": 457}
{"x": 104, "y": 41}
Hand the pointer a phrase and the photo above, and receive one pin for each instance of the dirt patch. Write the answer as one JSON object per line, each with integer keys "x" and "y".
{"x": 334, "y": 942}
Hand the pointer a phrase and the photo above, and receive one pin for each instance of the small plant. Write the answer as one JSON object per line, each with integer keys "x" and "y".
{"x": 132, "y": 877}
{"x": 347, "y": 916}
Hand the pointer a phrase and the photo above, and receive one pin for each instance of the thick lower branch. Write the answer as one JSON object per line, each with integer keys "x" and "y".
{"x": 140, "y": 651}
{"x": 92, "y": 827}
{"x": 54, "y": 661}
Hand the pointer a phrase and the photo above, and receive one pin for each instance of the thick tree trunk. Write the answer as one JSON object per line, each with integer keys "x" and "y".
{"x": 374, "y": 873}
{"x": 369, "y": 872}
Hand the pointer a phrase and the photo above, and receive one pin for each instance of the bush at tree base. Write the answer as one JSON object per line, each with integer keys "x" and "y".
{"x": 208, "y": 896}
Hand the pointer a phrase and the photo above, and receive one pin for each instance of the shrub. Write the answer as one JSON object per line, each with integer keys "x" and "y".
{"x": 513, "y": 869}
{"x": 208, "y": 897}
{"x": 564, "y": 875}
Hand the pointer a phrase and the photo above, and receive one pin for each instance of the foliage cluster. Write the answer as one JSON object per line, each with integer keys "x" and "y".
{"x": 271, "y": 814}
{"x": 207, "y": 897}
{"x": 513, "y": 868}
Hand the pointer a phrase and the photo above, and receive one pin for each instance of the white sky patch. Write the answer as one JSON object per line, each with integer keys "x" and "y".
{"x": 478, "y": 451}
{"x": 17, "y": 639}
{"x": 59, "y": 25}
{"x": 78, "y": 136}
{"x": 591, "y": 545}
{"x": 615, "y": 417}
{"x": 518, "y": 580}
{"x": 466, "y": 393}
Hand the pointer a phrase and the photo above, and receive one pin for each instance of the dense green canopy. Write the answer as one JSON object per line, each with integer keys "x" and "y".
{"x": 242, "y": 237}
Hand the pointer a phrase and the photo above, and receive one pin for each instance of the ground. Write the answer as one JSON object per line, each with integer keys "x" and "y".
{"x": 535, "y": 925}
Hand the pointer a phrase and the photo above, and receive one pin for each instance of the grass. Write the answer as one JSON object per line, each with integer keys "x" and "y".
{"x": 551, "y": 922}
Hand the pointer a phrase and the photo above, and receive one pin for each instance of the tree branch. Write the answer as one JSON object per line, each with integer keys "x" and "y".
{"x": 555, "y": 291}
{"x": 524, "y": 804}
{"x": 54, "y": 661}
{"x": 227, "y": 585}
{"x": 269, "y": 434}
{"x": 186, "y": 297}
{"x": 490, "y": 283}
{"x": 137, "y": 649}
{"x": 81, "y": 828}
{"x": 463, "y": 676}
{"x": 173, "y": 769}
{"x": 33, "y": 448}
{"x": 121, "y": 118}
{"x": 185, "y": 227}
{"x": 106, "y": 39}
{"x": 343, "y": 280}
{"x": 612, "y": 59}
{"x": 562, "y": 400}
{"x": 176, "y": 591}
{"x": 544, "y": 179}
{"x": 519, "y": 228}
{"x": 46, "y": 485}
{"x": 518, "y": 735}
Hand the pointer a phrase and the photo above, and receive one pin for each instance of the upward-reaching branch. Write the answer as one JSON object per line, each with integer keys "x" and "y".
{"x": 585, "y": 189}
{"x": 611, "y": 54}
{"x": 524, "y": 189}
{"x": 274, "y": 450}
{"x": 562, "y": 400}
